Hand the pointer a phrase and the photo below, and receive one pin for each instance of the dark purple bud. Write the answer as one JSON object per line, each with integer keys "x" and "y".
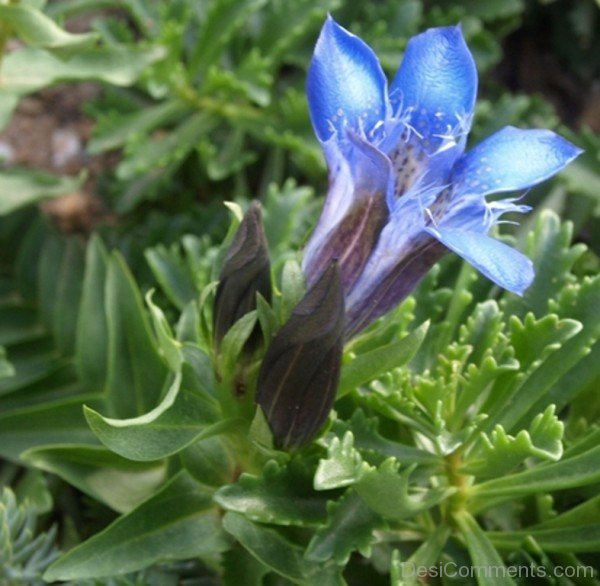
{"x": 299, "y": 375}
{"x": 246, "y": 271}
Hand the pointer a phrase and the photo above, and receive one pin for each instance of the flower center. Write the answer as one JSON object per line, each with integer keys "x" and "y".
{"x": 407, "y": 163}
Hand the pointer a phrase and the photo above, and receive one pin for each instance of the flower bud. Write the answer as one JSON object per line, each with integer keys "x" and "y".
{"x": 299, "y": 375}
{"x": 246, "y": 271}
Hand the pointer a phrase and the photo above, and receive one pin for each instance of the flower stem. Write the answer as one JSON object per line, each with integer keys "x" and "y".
{"x": 457, "y": 502}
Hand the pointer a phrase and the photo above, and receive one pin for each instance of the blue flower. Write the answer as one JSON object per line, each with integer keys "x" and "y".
{"x": 402, "y": 190}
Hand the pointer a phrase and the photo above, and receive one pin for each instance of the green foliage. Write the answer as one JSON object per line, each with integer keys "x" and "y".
{"x": 178, "y": 522}
{"x": 20, "y": 188}
{"x": 24, "y": 552}
{"x": 51, "y": 55}
{"x": 432, "y": 453}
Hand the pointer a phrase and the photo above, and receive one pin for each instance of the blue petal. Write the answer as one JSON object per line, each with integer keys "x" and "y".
{"x": 512, "y": 159}
{"x": 478, "y": 215}
{"x": 346, "y": 85}
{"x": 437, "y": 80}
{"x": 500, "y": 263}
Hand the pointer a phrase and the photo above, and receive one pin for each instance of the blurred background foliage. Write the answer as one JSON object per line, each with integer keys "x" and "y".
{"x": 138, "y": 123}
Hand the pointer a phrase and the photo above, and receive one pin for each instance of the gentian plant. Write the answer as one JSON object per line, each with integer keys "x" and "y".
{"x": 251, "y": 422}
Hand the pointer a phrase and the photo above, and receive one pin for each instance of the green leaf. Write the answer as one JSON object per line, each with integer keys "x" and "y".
{"x": 24, "y": 553}
{"x": 166, "y": 151}
{"x": 172, "y": 276}
{"x": 233, "y": 343}
{"x": 368, "y": 440}
{"x": 350, "y": 526}
{"x": 483, "y": 554}
{"x": 269, "y": 547}
{"x": 177, "y": 523}
{"x": 287, "y": 24}
{"x": 36, "y": 29}
{"x": 428, "y": 553}
{"x": 580, "y": 470}
{"x": 490, "y": 11}
{"x": 168, "y": 346}
{"x": 33, "y": 363}
{"x": 6, "y": 368}
{"x": 482, "y": 329}
{"x": 281, "y": 496}
{"x": 293, "y": 288}
{"x": 65, "y": 282}
{"x": 119, "y": 483}
{"x": 210, "y": 461}
{"x": 539, "y": 347}
{"x": 180, "y": 419}
{"x": 577, "y": 365}
{"x": 33, "y": 487}
{"x": 224, "y": 18}
{"x": 140, "y": 123}
{"x": 581, "y": 175}
{"x": 584, "y": 514}
{"x": 343, "y": 466}
{"x": 23, "y": 187}
{"x": 53, "y": 422}
{"x": 289, "y": 213}
{"x": 19, "y": 324}
{"x": 548, "y": 245}
{"x": 386, "y": 491}
{"x": 239, "y": 567}
{"x": 584, "y": 539}
{"x": 500, "y": 453}
{"x": 136, "y": 372}
{"x": 28, "y": 70}
{"x": 575, "y": 530}
{"x": 535, "y": 339}
{"x": 269, "y": 324}
{"x": 91, "y": 352}
{"x": 370, "y": 365}
{"x": 230, "y": 157}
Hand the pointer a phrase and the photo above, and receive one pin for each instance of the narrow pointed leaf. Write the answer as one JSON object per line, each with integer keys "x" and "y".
{"x": 179, "y": 522}
{"x": 181, "y": 418}
{"x": 136, "y": 371}
{"x": 105, "y": 476}
{"x": 483, "y": 554}
{"x": 370, "y": 365}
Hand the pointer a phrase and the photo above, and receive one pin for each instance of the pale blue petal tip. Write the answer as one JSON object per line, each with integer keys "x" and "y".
{"x": 437, "y": 78}
{"x": 346, "y": 85}
{"x": 500, "y": 263}
{"x": 512, "y": 159}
